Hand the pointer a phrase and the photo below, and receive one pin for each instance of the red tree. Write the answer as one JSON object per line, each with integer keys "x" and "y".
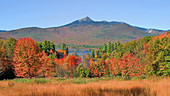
{"x": 27, "y": 59}
{"x": 72, "y": 63}
{"x": 46, "y": 68}
{"x": 4, "y": 62}
{"x": 129, "y": 65}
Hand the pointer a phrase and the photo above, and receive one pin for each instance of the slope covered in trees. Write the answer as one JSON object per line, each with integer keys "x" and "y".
{"x": 147, "y": 56}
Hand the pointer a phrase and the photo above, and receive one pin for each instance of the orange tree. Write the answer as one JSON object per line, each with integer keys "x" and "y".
{"x": 94, "y": 69}
{"x": 46, "y": 68}
{"x": 28, "y": 61}
{"x": 72, "y": 63}
{"x": 128, "y": 65}
{"x": 66, "y": 65}
{"x": 60, "y": 68}
{"x": 3, "y": 59}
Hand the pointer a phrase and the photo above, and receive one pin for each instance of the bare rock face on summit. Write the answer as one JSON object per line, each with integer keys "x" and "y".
{"x": 86, "y": 19}
{"x": 84, "y": 31}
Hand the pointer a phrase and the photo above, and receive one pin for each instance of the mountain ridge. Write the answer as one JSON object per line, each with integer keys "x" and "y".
{"x": 2, "y": 30}
{"x": 89, "y": 20}
{"x": 84, "y": 31}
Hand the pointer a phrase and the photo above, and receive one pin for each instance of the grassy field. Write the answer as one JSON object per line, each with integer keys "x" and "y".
{"x": 86, "y": 87}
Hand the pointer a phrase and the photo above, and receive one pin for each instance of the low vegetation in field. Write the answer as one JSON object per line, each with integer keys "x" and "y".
{"x": 86, "y": 87}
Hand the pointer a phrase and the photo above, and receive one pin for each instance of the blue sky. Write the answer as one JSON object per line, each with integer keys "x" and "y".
{"x": 16, "y": 14}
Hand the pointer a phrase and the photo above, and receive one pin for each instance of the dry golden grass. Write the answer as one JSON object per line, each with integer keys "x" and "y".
{"x": 143, "y": 87}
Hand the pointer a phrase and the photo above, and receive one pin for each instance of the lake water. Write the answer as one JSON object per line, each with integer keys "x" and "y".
{"x": 79, "y": 53}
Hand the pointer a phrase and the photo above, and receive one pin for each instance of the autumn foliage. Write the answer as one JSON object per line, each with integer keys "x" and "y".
{"x": 147, "y": 56}
{"x": 3, "y": 60}
{"x": 28, "y": 59}
{"x": 128, "y": 65}
{"x": 68, "y": 64}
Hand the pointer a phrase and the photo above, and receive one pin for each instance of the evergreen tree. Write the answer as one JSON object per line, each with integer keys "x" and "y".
{"x": 105, "y": 48}
{"x": 115, "y": 46}
{"x": 48, "y": 47}
{"x": 40, "y": 45}
{"x": 63, "y": 45}
{"x": 44, "y": 46}
{"x": 52, "y": 46}
{"x": 96, "y": 53}
{"x": 112, "y": 46}
{"x": 67, "y": 51}
{"x": 118, "y": 43}
{"x": 109, "y": 48}
{"x": 92, "y": 53}
{"x": 52, "y": 56}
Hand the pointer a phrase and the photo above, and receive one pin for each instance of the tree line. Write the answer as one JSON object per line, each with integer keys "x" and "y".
{"x": 27, "y": 58}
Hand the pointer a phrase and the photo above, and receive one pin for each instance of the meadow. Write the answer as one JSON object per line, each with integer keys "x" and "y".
{"x": 119, "y": 86}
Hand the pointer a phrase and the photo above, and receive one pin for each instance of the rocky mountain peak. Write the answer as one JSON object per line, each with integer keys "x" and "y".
{"x": 86, "y": 19}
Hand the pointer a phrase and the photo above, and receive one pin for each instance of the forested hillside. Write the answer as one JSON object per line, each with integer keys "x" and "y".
{"x": 147, "y": 56}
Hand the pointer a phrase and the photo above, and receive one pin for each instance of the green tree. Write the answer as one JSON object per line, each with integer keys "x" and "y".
{"x": 105, "y": 48}
{"x": 96, "y": 53}
{"x": 67, "y": 50}
{"x": 109, "y": 48}
{"x": 63, "y": 45}
{"x": 44, "y": 46}
{"x": 115, "y": 46}
{"x": 92, "y": 53}
{"x": 9, "y": 46}
{"x": 146, "y": 39}
{"x": 52, "y": 46}
{"x": 112, "y": 46}
{"x": 48, "y": 47}
{"x": 118, "y": 43}
{"x": 168, "y": 32}
{"x": 52, "y": 56}
{"x": 40, "y": 45}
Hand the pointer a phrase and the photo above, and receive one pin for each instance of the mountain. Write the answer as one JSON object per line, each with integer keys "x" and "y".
{"x": 152, "y": 31}
{"x": 2, "y": 37}
{"x": 2, "y": 30}
{"x": 84, "y": 31}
